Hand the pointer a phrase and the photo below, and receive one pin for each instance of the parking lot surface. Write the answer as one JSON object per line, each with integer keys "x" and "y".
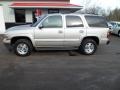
{"x": 57, "y": 70}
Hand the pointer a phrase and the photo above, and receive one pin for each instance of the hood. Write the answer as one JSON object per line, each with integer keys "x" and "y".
{"x": 21, "y": 27}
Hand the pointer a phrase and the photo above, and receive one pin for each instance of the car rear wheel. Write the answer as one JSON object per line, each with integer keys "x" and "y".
{"x": 23, "y": 47}
{"x": 88, "y": 47}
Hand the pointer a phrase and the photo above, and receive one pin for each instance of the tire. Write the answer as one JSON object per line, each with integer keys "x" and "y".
{"x": 23, "y": 47}
{"x": 88, "y": 47}
{"x": 119, "y": 33}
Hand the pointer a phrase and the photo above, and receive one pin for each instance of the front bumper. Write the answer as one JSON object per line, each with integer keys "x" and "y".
{"x": 6, "y": 41}
{"x": 7, "y": 44}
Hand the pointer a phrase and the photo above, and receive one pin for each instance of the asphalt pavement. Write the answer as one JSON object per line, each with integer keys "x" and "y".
{"x": 58, "y": 70}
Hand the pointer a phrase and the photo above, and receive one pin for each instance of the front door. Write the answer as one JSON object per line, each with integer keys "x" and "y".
{"x": 50, "y": 32}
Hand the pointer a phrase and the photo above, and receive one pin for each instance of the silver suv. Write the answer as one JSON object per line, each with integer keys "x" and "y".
{"x": 59, "y": 32}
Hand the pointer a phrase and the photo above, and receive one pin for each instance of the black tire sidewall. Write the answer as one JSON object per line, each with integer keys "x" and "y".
{"x": 27, "y": 42}
{"x": 82, "y": 46}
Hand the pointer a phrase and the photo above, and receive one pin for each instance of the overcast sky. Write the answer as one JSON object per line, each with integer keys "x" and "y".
{"x": 106, "y": 4}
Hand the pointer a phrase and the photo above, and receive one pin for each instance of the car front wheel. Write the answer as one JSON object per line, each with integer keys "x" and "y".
{"x": 88, "y": 47}
{"x": 23, "y": 47}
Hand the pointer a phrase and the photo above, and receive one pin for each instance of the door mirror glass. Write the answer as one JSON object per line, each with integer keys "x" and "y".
{"x": 41, "y": 26}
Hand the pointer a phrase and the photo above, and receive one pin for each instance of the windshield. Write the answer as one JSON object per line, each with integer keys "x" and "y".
{"x": 38, "y": 21}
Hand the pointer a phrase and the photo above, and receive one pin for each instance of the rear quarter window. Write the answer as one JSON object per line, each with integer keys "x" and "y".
{"x": 96, "y": 21}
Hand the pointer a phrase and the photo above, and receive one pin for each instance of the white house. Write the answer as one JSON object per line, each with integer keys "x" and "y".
{"x": 17, "y": 12}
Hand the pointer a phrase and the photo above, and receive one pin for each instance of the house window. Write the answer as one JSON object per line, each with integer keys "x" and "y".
{"x": 20, "y": 15}
{"x": 53, "y": 11}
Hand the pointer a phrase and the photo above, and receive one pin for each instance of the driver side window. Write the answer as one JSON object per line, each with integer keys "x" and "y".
{"x": 53, "y": 22}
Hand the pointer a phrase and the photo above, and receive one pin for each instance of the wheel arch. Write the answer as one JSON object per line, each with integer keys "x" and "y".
{"x": 96, "y": 39}
{"x": 14, "y": 39}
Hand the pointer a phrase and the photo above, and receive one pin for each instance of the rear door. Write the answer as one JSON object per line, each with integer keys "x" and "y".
{"x": 74, "y": 30}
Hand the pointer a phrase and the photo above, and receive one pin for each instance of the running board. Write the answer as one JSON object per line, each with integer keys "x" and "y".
{"x": 56, "y": 48}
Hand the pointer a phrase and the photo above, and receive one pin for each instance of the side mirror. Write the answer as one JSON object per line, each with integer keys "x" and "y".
{"x": 41, "y": 26}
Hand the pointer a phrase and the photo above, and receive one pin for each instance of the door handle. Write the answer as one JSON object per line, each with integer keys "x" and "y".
{"x": 81, "y": 31}
{"x": 60, "y": 31}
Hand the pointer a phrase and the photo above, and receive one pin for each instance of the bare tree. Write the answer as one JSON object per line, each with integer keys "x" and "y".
{"x": 114, "y": 15}
{"x": 86, "y": 3}
{"x": 90, "y": 7}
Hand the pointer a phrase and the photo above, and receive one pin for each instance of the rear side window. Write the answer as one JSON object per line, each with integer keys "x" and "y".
{"x": 96, "y": 21}
{"x": 73, "y": 21}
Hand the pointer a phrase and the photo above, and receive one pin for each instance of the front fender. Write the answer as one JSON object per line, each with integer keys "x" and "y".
{"x": 31, "y": 37}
